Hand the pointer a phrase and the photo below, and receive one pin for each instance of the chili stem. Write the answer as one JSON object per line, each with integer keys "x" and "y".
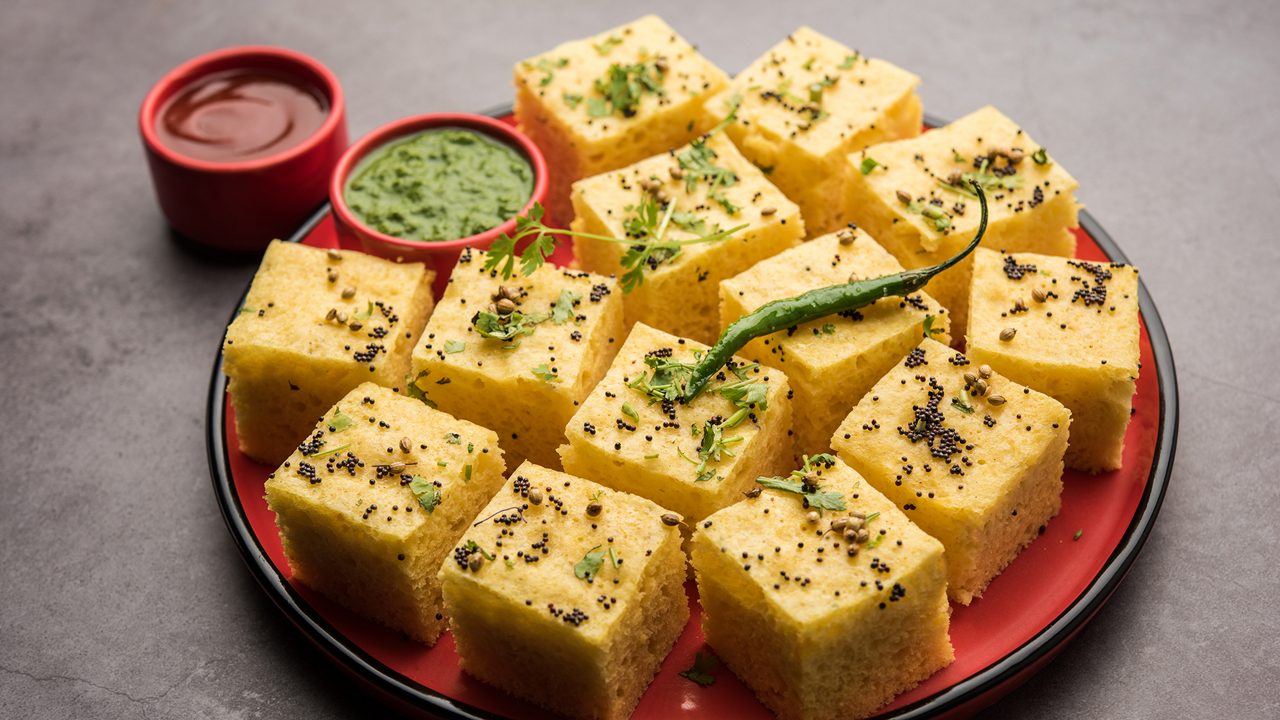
{"x": 779, "y": 315}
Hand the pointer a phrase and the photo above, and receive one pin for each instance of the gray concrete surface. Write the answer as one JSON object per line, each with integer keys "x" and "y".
{"x": 121, "y": 594}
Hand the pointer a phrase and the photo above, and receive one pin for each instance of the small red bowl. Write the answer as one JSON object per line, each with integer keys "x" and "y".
{"x": 240, "y": 206}
{"x": 442, "y": 255}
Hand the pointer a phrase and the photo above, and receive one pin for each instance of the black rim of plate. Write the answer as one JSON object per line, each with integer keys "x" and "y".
{"x": 974, "y": 689}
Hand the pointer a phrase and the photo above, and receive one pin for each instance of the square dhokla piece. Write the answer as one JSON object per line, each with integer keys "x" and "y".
{"x": 567, "y": 594}
{"x": 694, "y": 457}
{"x": 823, "y": 613}
{"x": 710, "y": 186}
{"x": 805, "y": 105}
{"x": 600, "y": 103}
{"x": 372, "y": 502}
{"x": 1074, "y": 337}
{"x": 971, "y": 457}
{"x": 518, "y": 355}
{"x": 913, "y": 197}
{"x": 831, "y": 363}
{"x": 315, "y": 324}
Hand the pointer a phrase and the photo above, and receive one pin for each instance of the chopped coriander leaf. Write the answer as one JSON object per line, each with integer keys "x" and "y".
{"x": 816, "y": 498}
{"x": 426, "y": 492}
{"x": 324, "y": 453}
{"x": 589, "y": 565}
{"x": 623, "y": 86}
{"x": 563, "y": 310}
{"x": 454, "y": 346}
{"x": 700, "y": 672}
{"x": 689, "y": 222}
{"x": 545, "y": 374}
{"x": 713, "y": 446}
{"x": 698, "y": 164}
{"x": 849, "y": 60}
{"x": 940, "y": 219}
{"x": 800, "y": 483}
{"x": 453, "y": 438}
{"x": 826, "y": 460}
{"x": 960, "y": 182}
{"x": 597, "y": 108}
{"x": 340, "y": 421}
{"x": 609, "y": 43}
{"x": 668, "y": 380}
{"x": 869, "y": 164}
{"x": 474, "y": 547}
{"x": 929, "y": 329}
{"x": 746, "y": 394}
{"x": 816, "y": 89}
{"x": 723, "y": 201}
{"x": 630, "y": 412}
{"x": 548, "y": 68}
{"x": 572, "y": 100}
{"x": 505, "y": 327}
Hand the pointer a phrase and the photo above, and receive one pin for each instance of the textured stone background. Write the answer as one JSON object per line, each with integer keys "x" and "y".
{"x": 121, "y": 594}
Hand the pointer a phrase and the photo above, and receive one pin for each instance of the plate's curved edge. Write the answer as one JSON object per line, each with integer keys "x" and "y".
{"x": 1038, "y": 648}
{"x": 1054, "y": 636}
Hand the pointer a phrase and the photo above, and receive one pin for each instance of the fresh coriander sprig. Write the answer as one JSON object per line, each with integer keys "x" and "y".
{"x": 502, "y": 255}
{"x": 713, "y": 446}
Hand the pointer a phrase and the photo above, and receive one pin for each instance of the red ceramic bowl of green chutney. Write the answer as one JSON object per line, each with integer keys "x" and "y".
{"x": 423, "y": 188}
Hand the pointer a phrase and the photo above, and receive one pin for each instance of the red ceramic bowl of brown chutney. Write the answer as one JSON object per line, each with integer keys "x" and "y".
{"x": 241, "y": 143}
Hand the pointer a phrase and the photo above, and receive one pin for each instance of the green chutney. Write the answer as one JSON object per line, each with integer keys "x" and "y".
{"x": 439, "y": 184}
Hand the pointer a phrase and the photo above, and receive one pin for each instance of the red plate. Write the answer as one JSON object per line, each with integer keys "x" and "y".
{"x": 1023, "y": 619}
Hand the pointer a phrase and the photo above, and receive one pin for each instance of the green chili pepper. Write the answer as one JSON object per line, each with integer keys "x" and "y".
{"x": 779, "y": 315}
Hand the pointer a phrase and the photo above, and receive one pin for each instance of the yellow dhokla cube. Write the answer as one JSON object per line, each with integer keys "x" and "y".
{"x": 693, "y": 457}
{"x": 567, "y": 594}
{"x": 822, "y": 596}
{"x": 805, "y": 105}
{"x": 518, "y": 355}
{"x": 913, "y": 197}
{"x": 831, "y": 363}
{"x": 600, "y": 103}
{"x": 315, "y": 324}
{"x": 1074, "y": 337}
{"x": 971, "y": 457}
{"x": 706, "y": 186}
{"x": 372, "y": 502}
